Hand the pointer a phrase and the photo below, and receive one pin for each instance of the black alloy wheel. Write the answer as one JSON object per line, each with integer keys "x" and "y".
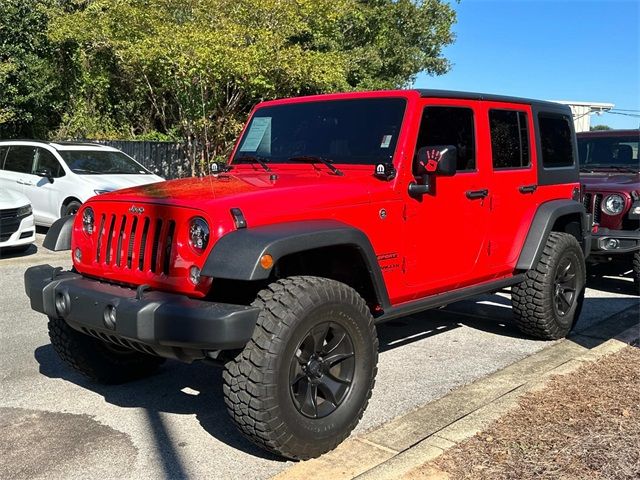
{"x": 322, "y": 370}
{"x": 565, "y": 284}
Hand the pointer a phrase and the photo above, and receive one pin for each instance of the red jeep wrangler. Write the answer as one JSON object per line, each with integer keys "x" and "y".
{"x": 335, "y": 213}
{"x": 610, "y": 177}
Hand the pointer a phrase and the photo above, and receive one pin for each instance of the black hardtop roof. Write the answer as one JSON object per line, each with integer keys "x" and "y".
{"x": 429, "y": 93}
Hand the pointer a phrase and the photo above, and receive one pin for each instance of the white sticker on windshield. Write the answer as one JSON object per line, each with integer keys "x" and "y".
{"x": 386, "y": 141}
{"x": 260, "y": 127}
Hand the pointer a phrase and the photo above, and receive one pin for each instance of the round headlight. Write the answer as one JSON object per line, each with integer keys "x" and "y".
{"x": 613, "y": 204}
{"x": 88, "y": 221}
{"x": 198, "y": 234}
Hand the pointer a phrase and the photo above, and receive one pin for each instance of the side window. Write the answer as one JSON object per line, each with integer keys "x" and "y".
{"x": 555, "y": 140}
{"x": 45, "y": 159}
{"x": 509, "y": 139}
{"x": 20, "y": 159}
{"x": 450, "y": 126}
{"x": 3, "y": 154}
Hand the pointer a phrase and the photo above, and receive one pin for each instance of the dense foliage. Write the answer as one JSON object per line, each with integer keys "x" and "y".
{"x": 191, "y": 69}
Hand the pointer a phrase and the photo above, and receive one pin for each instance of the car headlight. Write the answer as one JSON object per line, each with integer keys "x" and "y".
{"x": 100, "y": 192}
{"x": 613, "y": 204}
{"x": 88, "y": 221}
{"x": 25, "y": 211}
{"x": 198, "y": 234}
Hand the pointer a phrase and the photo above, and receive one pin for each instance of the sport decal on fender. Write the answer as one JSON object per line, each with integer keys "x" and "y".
{"x": 388, "y": 261}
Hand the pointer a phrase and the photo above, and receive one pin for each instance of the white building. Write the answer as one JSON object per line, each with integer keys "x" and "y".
{"x": 583, "y": 111}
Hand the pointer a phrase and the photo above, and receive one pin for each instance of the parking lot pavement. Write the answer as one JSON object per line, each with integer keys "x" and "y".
{"x": 56, "y": 424}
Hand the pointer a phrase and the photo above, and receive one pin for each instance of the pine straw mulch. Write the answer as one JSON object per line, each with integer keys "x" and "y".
{"x": 584, "y": 425}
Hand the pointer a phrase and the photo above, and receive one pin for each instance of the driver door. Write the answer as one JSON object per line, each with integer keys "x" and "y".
{"x": 44, "y": 193}
{"x": 447, "y": 229}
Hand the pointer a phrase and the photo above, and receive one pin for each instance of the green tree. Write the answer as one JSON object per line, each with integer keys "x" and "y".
{"x": 596, "y": 128}
{"x": 29, "y": 84}
{"x": 194, "y": 68}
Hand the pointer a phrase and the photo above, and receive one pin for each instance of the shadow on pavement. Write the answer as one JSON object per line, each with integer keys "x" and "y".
{"x": 18, "y": 252}
{"x": 614, "y": 277}
{"x": 177, "y": 388}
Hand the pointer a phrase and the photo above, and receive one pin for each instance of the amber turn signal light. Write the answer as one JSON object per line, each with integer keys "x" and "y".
{"x": 266, "y": 261}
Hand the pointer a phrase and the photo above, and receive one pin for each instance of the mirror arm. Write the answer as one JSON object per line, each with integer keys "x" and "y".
{"x": 419, "y": 189}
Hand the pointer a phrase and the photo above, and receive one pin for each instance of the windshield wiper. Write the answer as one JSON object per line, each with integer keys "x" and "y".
{"x": 255, "y": 159}
{"x": 316, "y": 159}
{"x": 620, "y": 168}
{"x": 86, "y": 170}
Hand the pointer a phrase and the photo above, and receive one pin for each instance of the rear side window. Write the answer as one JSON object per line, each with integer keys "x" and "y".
{"x": 509, "y": 138}
{"x": 450, "y": 126}
{"x": 3, "y": 154}
{"x": 555, "y": 140}
{"x": 20, "y": 159}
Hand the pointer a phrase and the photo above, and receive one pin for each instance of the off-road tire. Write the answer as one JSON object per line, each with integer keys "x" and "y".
{"x": 533, "y": 300}
{"x": 257, "y": 381}
{"x": 95, "y": 359}
{"x": 636, "y": 272}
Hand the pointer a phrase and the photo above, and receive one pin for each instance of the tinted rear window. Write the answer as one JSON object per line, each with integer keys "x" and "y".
{"x": 20, "y": 159}
{"x": 509, "y": 138}
{"x": 555, "y": 140}
{"x": 3, "y": 153}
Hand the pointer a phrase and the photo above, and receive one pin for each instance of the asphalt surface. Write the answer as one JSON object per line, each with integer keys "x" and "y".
{"x": 56, "y": 424}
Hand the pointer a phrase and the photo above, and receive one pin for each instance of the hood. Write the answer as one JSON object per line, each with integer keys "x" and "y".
{"x": 257, "y": 193}
{"x": 117, "y": 182}
{"x": 12, "y": 199}
{"x": 610, "y": 181}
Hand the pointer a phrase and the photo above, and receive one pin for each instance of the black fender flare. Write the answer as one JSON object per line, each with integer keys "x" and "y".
{"x": 58, "y": 237}
{"x": 544, "y": 219}
{"x": 236, "y": 256}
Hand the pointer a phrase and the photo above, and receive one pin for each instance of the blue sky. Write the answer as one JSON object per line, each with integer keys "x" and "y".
{"x": 549, "y": 49}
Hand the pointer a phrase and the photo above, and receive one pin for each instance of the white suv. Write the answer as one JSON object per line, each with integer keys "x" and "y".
{"x": 57, "y": 177}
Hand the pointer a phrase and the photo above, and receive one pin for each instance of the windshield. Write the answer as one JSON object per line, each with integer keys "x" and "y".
{"x": 609, "y": 152}
{"x": 360, "y": 131}
{"x": 100, "y": 162}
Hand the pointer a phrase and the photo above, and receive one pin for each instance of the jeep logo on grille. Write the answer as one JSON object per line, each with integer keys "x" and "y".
{"x": 136, "y": 210}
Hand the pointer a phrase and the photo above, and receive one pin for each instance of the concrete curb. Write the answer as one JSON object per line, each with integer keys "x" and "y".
{"x": 409, "y": 441}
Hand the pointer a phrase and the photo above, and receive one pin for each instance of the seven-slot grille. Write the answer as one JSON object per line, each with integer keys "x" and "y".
{"x": 592, "y": 203}
{"x": 9, "y": 223}
{"x": 135, "y": 242}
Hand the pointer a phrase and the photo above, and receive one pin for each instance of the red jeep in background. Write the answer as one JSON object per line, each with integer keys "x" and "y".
{"x": 610, "y": 177}
{"x": 335, "y": 213}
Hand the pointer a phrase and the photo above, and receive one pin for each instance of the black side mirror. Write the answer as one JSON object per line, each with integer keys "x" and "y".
{"x": 432, "y": 161}
{"x": 45, "y": 173}
{"x": 437, "y": 160}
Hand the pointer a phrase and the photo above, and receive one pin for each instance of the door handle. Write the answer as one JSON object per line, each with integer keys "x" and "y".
{"x": 474, "y": 194}
{"x": 528, "y": 188}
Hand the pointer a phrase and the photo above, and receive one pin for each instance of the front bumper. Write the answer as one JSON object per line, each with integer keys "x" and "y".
{"x": 612, "y": 242}
{"x": 24, "y": 235}
{"x": 169, "y": 325}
